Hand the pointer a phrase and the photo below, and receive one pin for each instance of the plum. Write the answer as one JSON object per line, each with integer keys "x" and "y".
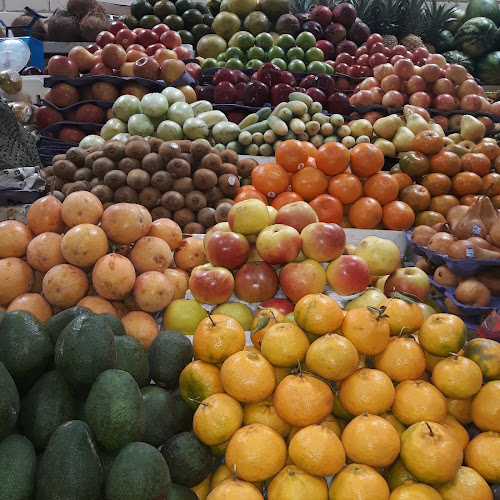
{"x": 225, "y": 93}
{"x": 280, "y": 93}
{"x": 255, "y": 94}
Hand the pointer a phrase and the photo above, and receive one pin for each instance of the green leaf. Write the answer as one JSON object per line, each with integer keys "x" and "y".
{"x": 262, "y": 323}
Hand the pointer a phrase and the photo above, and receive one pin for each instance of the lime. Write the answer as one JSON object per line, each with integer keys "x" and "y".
{"x": 257, "y": 53}
{"x": 264, "y": 40}
{"x": 222, "y": 57}
{"x": 306, "y": 40}
{"x": 183, "y": 5}
{"x": 314, "y": 54}
{"x": 174, "y": 22}
{"x": 297, "y": 66}
{"x": 131, "y": 21}
{"x": 274, "y": 52}
{"x": 295, "y": 53}
{"x": 201, "y": 7}
{"x": 235, "y": 52}
{"x": 245, "y": 41}
{"x": 316, "y": 67}
{"x": 192, "y": 17}
{"x": 163, "y": 8}
{"x": 208, "y": 63}
{"x": 286, "y": 41}
{"x": 186, "y": 37}
{"x": 234, "y": 63}
{"x": 329, "y": 69}
{"x": 183, "y": 316}
{"x": 254, "y": 64}
{"x": 149, "y": 21}
{"x": 280, "y": 63}
{"x": 199, "y": 30}
{"x": 140, "y": 8}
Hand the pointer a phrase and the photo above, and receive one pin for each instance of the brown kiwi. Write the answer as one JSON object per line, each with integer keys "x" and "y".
{"x": 135, "y": 138}
{"x": 172, "y": 200}
{"x": 93, "y": 149}
{"x": 194, "y": 228}
{"x": 161, "y": 213}
{"x": 137, "y": 149}
{"x": 78, "y": 186}
{"x": 184, "y": 185}
{"x": 151, "y": 163}
{"x": 102, "y": 166}
{"x": 185, "y": 145}
{"x": 55, "y": 183}
{"x": 187, "y": 157}
{"x": 65, "y": 188}
{"x": 228, "y": 168}
{"x": 206, "y": 217}
{"x": 155, "y": 144}
{"x": 168, "y": 151}
{"x": 195, "y": 201}
{"x": 47, "y": 171}
{"x": 96, "y": 182}
{"x": 58, "y": 158}
{"x": 77, "y": 156}
{"x": 183, "y": 217}
{"x": 64, "y": 169}
{"x": 246, "y": 166}
{"x": 229, "y": 184}
{"x": 214, "y": 194}
{"x": 204, "y": 179}
{"x": 224, "y": 200}
{"x": 114, "y": 150}
{"x": 199, "y": 149}
{"x": 83, "y": 174}
{"x": 107, "y": 205}
{"x": 162, "y": 181}
{"x": 138, "y": 179}
{"x": 129, "y": 164}
{"x": 115, "y": 179}
{"x": 58, "y": 195}
{"x": 92, "y": 157}
{"x": 125, "y": 194}
{"x": 221, "y": 212}
{"x": 149, "y": 197}
{"x": 229, "y": 156}
{"x": 212, "y": 161}
{"x": 179, "y": 167}
{"x": 104, "y": 193}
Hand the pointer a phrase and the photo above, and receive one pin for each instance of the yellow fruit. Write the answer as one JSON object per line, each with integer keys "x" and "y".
{"x": 485, "y": 407}
{"x": 457, "y": 377}
{"x": 357, "y": 481}
{"x": 198, "y": 381}
{"x": 332, "y": 423}
{"x": 263, "y": 412}
{"x": 240, "y": 312}
{"x": 442, "y": 334}
{"x": 486, "y": 353}
{"x": 201, "y": 490}
{"x": 403, "y": 317}
{"x": 460, "y": 409}
{"x": 284, "y": 345}
{"x": 262, "y": 321}
{"x": 294, "y": 483}
{"x": 458, "y": 431}
{"x": 415, "y": 492}
{"x": 183, "y": 316}
{"x": 234, "y": 488}
{"x": 318, "y": 314}
{"x": 400, "y": 428}
{"x": 483, "y": 455}
{"x": 466, "y": 485}
{"x": 397, "y": 475}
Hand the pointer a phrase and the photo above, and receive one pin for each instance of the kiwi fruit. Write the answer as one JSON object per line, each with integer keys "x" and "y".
{"x": 155, "y": 143}
{"x": 135, "y": 138}
{"x": 129, "y": 164}
{"x": 228, "y": 168}
{"x": 199, "y": 149}
{"x": 183, "y": 217}
{"x": 102, "y": 166}
{"x": 194, "y": 228}
{"x": 212, "y": 162}
{"x": 184, "y": 185}
{"x": 93, "y": 149}
{"x": 107, "y": 205}
{"x": 172, "y": 200}
{"x": 47, "y": 171}
{"x": 58, "y": 195}
{"x": 195, "y": 201}
{"x": 151, "y": 163}
{"x": 58, "y": 157}
{"x": 162, "y": 181}
{"x": 246, "y": 166}
{"x": 114, "y": 150}
{"x": 185, "y": 145}
{"x": 179, "y": 167}
{"x": 229, "y": 184}
{"x": 168, "y": 151}
{"x": 137, "y": 149}
{"x": 138, "y": 179}
{"x": 78, "y": 186}
{"x": 161, "y": 213}
{"x": 115, "y": 179}
{"x": 64, "y": 169}
{"x": 187, "y": 157}
{"x": 222, "y": 211}
{"x": 149, "y": 197}
{"x": 83, "y": 174}
{"x": 125, "y": 194}
{"x": 224, "y": 200}
{"x": 229, "y": 156}
{"x": 104, "y": 193}
{"x": 96, "y": 182}
{"x": 77, "y": 156}
{"x": 65, "y": 188}
{"x": 55, "y": 183}
{"x": 204, "y": 179}
{"x": 206, "y": 217}
{"x": 92, "y": 157}
{"x": 214, "y": 194}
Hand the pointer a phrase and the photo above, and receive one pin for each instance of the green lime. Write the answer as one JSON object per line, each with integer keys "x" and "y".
{"x": 275, "y": 52}
{"x": 316, "y": 67}
{"x": 245, "y": 41}
{"x": 306, "y": 40}
{"x": 314, "y": 54}
{"x": 257, "y": 53}
{"x": 164, "y": 8}
{"x": 174, "y": 22}
{"x": 234, "y": 63}
{"x": 254, "y": 64}
{"x": 329, "y": 69}
{"x": 199, "y": 30}
{"x": 280, "y": 63}
{"x": 149, "y": 21}
{"x": 183, "y": 5}
{"x": 286, "y": 41}
{"x": 208, "y": 19}
{"x": 297, "y": 66}
{"x": 222, "y": 57}
{"x": 201, "y": 7}
{"x": 192, "y": 17}
{"x": 264, "y": 40}
{"x": 131, "y": 21}
{"x": 140, "y": 8}
{"x": 209, "y": 63}
{"x": 186, "y": 36}
{"x": 295, "y": 53}
{"x": 234, "y": 52}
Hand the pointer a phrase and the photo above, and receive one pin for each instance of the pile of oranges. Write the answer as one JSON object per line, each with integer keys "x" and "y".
{"x": 376, "y": 397}
{"x": 348, "y": 187}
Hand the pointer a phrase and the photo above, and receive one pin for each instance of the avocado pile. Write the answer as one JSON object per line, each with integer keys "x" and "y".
{"x": 86, "y": 413}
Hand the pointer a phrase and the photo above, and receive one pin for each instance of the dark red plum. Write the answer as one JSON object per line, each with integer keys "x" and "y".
{"x": 280, "y": 93}
{"x": 303, "y": 18}
{"x": 225, "y": 93}
{"x": 322, "y": 15}
{"x": 327, "y": 48}
{"x": 344, "y": 13}
{"x": 335, "y": 33}
{"x": 359, "y": 33}
{"x": 255, "y": 94}
{"x": 314, "y": 28}
{"x": 338, "y": 103}
{"x": 225, "y": 75}
{"x": 346, "y": 46}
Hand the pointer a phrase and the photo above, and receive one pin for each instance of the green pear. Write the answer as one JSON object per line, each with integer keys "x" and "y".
{"x": 471, "y": 129}
{"x": 403, "y": 139}
{"x": 387, "y": 126}
{"x": 370, "y": 297}
{"x": 417, "y": 123}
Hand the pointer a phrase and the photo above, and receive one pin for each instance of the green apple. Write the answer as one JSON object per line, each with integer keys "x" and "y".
{"x": 316, "y": 67}
{"x": 285, "y": 41}
{"x": 289, "y": 318}
{"x": 234, "y": 63}
{"x": 183, "y": 316}
{"x": 297, "y": 66}
{"x": 295, "y": 53}
{"x": 264, "y": 40}
{"x": 240, "y": 312}
{"x": 222, "y": 57}
{"x": 238, "y": 53}
{"x": 254, "y": 64}
{"x": 245, "y": 41}
{"x": 329, "y": 69}
{"x": 209, "y": 63}
{"x": 275, "y": 52}
{"x": 248, "y": 217}
{"x": 280, "y": 63}
{"x": 371, "y": 297}
{"x": 312, "y": 54}
{"x": 257, "y": 53}
{"x": 306, "y": 40}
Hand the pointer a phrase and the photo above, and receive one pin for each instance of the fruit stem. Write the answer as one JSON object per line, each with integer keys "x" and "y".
{"x": 197, "y": 400}
{"x": 430, "y": 428}
{"x": 211, "y": 319}
{"x": 234, "y": 472}
{"x": 454, "y": 354}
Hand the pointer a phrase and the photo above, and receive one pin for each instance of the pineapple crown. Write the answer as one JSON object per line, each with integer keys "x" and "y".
{"x": 437, "y": 19}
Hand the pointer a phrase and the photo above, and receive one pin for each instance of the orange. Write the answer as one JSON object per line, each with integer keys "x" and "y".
{"x": 81, "y": 207}
{"x": 445, "y": 163}
{"x": 457, "y": 377}
{"x": 437, "y": 183}
{"x": 217, "y": 418}
{"x": 415, "y": 492}
{"x": 366, "y": 390}
{"x": 248, "y": 377}
{"x": 366, "y": 160}
{"x": 168, "y": 230}
{"x": 317, "y": 450}
{"x": 142, "y": 326}
{"x": 346, "y": 187}
{"x": 270, "y": 179}
{"x": 198, "y": 381}
{"x": 263, "y": 412}
{"x": 381, "y": 186}
{"x": 84, "y": 244}
{"x": 281, "y": 373}
{"x": 414, "y": 164}
{"x": 428, "y": 142}
{"x": 202, "y": 490}
{"x": 284, "y": 344}
{"x": 483, "y": 455}
{"x": 257, "y": 451}
{"x": 292, "y": 155}
{"x": 396, "y": 475}
{"x": 430, "y": 452}
{"x": 486, "y": 354}
{"x": 332, "y": 158}
{"x": 398, "y": 216}
{"x": 318, "y": 314}
{"x": 262, "y": 321}
{"x": 466, "y": 183}
{"x": 309, "y": 183}
{"x": 250, "y": 194}
{"x": 285, "y": 199}
{"x": 404, "y": 180}
{"x": 327, "y": 208}
{"x": 33, "y": 303}
{"x": 460, "y": 409}
{"x": 371, "y": 440}
{"x": 466, "y": 485}
{"x": 302, "y": 400}
{"x": 44, "y": 216}
{"x": 358, "y": 481}
{"x": 332, "y": 357}
{"x": 403, "y": 359}
{"x": 367, "y": 329}
{"x": 400, "y": 428}
{"x": 442, "y": 334}
{"x": 235, "y": 488}
{"x": 14, "y": 238}
{"x": 431, "y": 361}
{"x": 220, "y": 474}
{"x": 485, "y": 407}
{"x": 416, "y": 400}
{"x": 402, "y": 316}
{"x": 217, "y": 337}
{"x": 476, "y": 162}
{"x": 333, "y": 424}
{"x": 295, "y": 483}
{"x": 443, "y": 203}
{"x": 17, "y": 278}
{"x": 365, "y": 213}
{"x": 491, "y": 184}
{"x": 490, "y": 149}
{"x": 458, "y": 431}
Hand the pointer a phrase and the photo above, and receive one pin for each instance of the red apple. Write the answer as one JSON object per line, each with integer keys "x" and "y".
{"x": 408, "y": 279}
{"x": 135, "y": 46}
{"x": 373, "y": 38}
{"x": 159, "y": 29}
{"x": 364, "y": 60}
{"x": 399, "y": 50}
{"x": 284, "y": 306}
{"x": 468, "y": 86}
{"x": 443, "y": 86}
{"x": 404, "y": 68}
{"x": 101, "y": 69}
{"x": 380, "y": 72}
{"x": 83, "y": 59}
{"x": 227, "y": 249}
{"x": 93, "y": 47}
{"x": 323, "y": 241}
{"x": 376, "y": 59}
{"x": 151, "y": 49}
{"x": 163, "y": 54}
{"x": 487, "y": 121}
{"x": 298, "y": 279}
{"x": 104, "y": 91}
{"x": 127, "y": 69}
{"x": 298, "y": 215}
{"x": 391, "y": 82}
{"x": 147, "y": 37}
{"x": 47, "y": 115}
{"x": 64, "y": 94}
{"x": 327, "y": 48}
{"x": 171, "y": 39}
{"x": 115, "y": 26}
{"x": 456, "y": 73}
{"x": 71, "y": 133}
{"x": 225, "y": 93}
{"x": 113, "y": 55}
{"x": 134, "y": 55}
{"x": 62, "y": 66}
{"x": 420, "y": 53}
{"x": 430, "y": 72}
{"x": 445, "y": 102}
{"x": 194, "y": 70}
{"x": 373, "y": 116}
{"x": 393, "y": 99}
{"x": 182, "y": 52}
{"x": 90, "y": 113}
{"x": 348, "y": 274}
{"x": 255, "y": 282}
{"x": 225, "y": 75}
{"x": 365, "y": 98}
{"x": 279, "y": 93}
{"x": 134, "y": 89}
{"x": 437, "y": 59}
{"x": 471, "y": 102}
{"x": 104, "y": 37}
{"x": 421, "y": 99}
{"x": 211, "y": 285}
{"x": 442, "y": 120}
{"x": 278, "y": 244}
{"x": 369, "y": 83}
{"x": 147, "y": 67}
{"x": 415, "y": 84}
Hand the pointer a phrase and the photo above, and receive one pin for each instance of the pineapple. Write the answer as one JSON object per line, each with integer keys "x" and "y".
{"x": 390, "y": 41}
{"x": 412, "y": 25}
{"x": 437, "y": 21}
{"x": 389, "y": 16}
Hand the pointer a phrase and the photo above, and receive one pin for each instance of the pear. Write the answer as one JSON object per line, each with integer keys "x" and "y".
{"x": 403, "y": 139}
{"x": 370, "y": 297}
{"x": 471, "y": 129}
{"x": 408, "y": 109}
{"x": 416, "y": 123}
{"x": 456, "y": 138}
{"x": 386, "y": 146}
{"x": 437, "y": 128}
{"x": 487, "y": 212}
{"x": 387, "y": 126}
{"x": 471, "y": 224}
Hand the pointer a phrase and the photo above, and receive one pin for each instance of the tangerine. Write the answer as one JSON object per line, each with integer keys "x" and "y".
{"x": 270, "y": 179}
{"x": 309, "y": 182}
{"x": 332, "y": 158}
{"x": 381, "y": 186}
{"x": 365, "y": 213}
{"x": 397, "y": 216}
{"x": 327, "y": 208}
{"x": 346, "y": 187}
{"x": 292, "y": 155}
{"x": 366, "y": 160}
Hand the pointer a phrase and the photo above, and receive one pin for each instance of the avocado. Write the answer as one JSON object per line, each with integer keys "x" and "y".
{"x": 139, "y": 8}
{"x": 149, "y": 21}
{"x": 85, "y": 348}
{"x": 174, "y": 22}
{"x": 115, "y": 323}
{"x": 17, "y": 468}
{"x": 131, "y": 357}
{"x": 161, "y": 415}
{"x": 131, "y": 21}
{"x": 114, "y": 410}
{"x": 55, "y": 325}
{"x": 139, "y": 472}
{"x": 188, "y": 459}
{"x": 169, "y": 354}
{"x": 164, "y": 8}
{"x": 9, "y": 402}
{"x": 70, "y": 467}
{"x": 179, "y": 492}
{"x": 25, "y": 348}
{"x": 107, "y": 459}
{"x": 185, "y": 413}
{"x": 48, "y": 404}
